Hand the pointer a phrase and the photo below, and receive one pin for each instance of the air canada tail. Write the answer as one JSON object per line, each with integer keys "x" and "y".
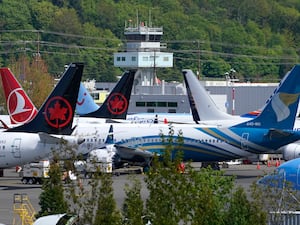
{"x": 116, "y": 104}
{"x": 20, "y": 107}
{"x": 57, "y": 112}
{"x": 202, "y": 105}
{"x": 281, "y": 108}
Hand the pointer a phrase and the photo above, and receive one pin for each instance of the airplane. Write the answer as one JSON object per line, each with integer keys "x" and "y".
{"x": 21, "y": 109}
{"x": 286, "y": 175}
{"x": 49, "y": 129}
{"x": 270, "y": 130}
{"x": 121, "y": 153}
{"x": 135, "y": 143}
{"x": 205, "y": 111}
{"x": 54, "y": 219}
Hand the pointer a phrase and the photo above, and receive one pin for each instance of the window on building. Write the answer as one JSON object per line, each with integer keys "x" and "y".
{"x": 172, "y": 104}
{"x": 140, "y": 104}
{"x": 95, "y": 95}
{"x": 161, "y": 104}
{"x": 171, "y": 110}
{"x": 152, "y": 104}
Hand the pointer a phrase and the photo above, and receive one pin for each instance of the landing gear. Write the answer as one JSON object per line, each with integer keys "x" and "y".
{"x": 213, "y": 165}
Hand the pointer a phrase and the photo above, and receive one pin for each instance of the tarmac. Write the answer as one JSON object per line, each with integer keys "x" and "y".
{"x": 10, "y": 184}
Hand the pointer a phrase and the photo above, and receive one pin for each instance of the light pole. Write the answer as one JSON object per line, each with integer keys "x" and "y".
{"x": 230, "y": 79}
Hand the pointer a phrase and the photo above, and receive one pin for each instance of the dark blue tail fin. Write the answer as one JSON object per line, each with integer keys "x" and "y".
{"x": 281, "y": 108}
{"x": 116, "y": 104}
{"x": 57, "y": 112}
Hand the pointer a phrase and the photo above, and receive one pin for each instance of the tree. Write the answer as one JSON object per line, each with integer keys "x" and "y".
{"x": 52, "y": 199}
{"x": 133, "y": 207}
{"x": 166, "y": 184}
{"x": 239, "y": 212}
{"x": 33, "y": 76}
{"x": 107, "y": 212}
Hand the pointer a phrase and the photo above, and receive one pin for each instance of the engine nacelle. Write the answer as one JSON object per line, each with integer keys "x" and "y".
{"x": 98, "y": 160}
{"x": 102, "y": 155}
{"x": 291, "y": 151}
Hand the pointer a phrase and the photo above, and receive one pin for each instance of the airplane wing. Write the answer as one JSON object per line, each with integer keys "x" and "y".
{"x": 49, "y": 139}
{"x": 134, "y": 154}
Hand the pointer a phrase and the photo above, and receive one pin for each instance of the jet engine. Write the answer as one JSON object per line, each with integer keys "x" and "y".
{"x": 291, "y": 151}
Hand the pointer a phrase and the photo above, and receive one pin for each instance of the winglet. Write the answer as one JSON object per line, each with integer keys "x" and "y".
{"x": 116, "y": 104}
{"x": 110, "y": 136}
{"x": 202, "y": 105}
{"x": 19, "y": 106}
{"x": 57, "y": 112}
{"x": 281, "y": 108}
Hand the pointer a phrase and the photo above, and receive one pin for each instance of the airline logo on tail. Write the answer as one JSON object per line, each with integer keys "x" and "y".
{"x": 58, "y": 112}
{"x": 117, "y": 104}
{"x": 19, "y": 108}
{"x": 280, "y": 104}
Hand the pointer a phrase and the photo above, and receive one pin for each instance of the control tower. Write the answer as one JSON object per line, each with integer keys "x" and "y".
{"x": 143, "y": 53}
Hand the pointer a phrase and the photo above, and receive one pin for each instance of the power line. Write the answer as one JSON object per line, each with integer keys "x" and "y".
{"x": 115, "y": 49}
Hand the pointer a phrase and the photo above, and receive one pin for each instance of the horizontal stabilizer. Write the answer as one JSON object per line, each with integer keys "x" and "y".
{"x": 276, "y": 134}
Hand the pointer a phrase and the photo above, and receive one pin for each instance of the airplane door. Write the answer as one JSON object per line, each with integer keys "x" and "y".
{"x": 15, "y": 148}
{"x": 244, "y": 140}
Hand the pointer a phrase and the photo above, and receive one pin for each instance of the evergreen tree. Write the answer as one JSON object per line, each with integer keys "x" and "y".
{"x": 166, "y": 183}
{"x": 107, "y": 212}
{"x": 133, "y": 207}
{"x": 52, "y": 199}
{"x": 239, "y": 211}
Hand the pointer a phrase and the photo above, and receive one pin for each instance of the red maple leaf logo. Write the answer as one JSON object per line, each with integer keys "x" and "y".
{"x": 57, "y": 112}
{"x": 117, "y": 104}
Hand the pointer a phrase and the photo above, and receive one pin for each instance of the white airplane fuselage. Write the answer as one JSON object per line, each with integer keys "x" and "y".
{"x": 20, "y": 148}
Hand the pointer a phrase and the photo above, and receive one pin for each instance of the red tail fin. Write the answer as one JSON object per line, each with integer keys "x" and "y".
{"x": 19, "y": 105}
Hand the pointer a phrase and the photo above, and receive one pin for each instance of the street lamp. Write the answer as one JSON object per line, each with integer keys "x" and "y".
{"x": 230, "y": 79}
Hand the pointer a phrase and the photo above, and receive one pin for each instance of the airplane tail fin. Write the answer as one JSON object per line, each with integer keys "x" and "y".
{"x": 85, "y": 103}
{"x": 202, "y": 105}
{"x": 281, "y": 108}
{"x": 57, "y": 112}
{"x": 19, "y": 106}
{"x": 116, "y": 104}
